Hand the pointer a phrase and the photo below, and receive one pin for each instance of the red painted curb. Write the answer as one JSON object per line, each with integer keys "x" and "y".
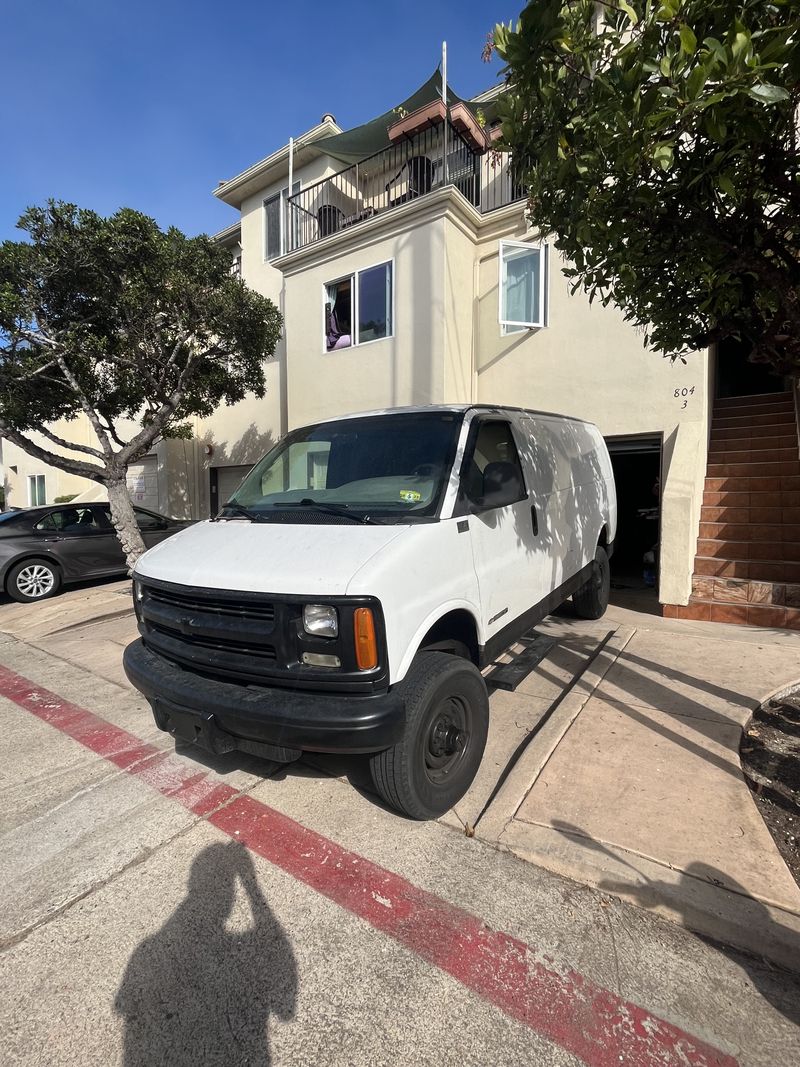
{"x": 563, "y": 1006}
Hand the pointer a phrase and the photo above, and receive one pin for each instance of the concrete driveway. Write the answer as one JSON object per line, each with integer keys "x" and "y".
{"x": 161, "y": 908}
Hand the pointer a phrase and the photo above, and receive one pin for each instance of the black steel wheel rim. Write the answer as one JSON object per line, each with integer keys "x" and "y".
{"x": 447, "y": 738}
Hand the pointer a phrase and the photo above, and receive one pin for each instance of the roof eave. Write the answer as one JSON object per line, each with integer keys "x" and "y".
{"x": 236, "y": 189}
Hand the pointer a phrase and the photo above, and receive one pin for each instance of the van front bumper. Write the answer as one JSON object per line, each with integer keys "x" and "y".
{"x": 273, "y": 722}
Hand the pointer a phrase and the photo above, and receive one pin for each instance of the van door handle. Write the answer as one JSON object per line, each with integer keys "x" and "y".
{"x": 534, "y": 519}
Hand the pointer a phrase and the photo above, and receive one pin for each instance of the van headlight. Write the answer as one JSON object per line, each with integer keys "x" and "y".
{"x": 321, "y": 620}
{"x": 138, "y": 590}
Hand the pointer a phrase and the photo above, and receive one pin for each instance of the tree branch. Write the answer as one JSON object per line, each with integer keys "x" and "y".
{"x": 68, "y": 444}
{"x": 138, "y": 445}
{"x": 64, "y": 463}
{"x": 87, "y": 408}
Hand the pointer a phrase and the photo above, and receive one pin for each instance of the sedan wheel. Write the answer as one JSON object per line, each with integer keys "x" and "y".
{"x": 35, "y": 579}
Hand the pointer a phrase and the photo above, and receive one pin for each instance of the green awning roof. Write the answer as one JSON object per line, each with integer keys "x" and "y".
{"x": 357, "y": 144}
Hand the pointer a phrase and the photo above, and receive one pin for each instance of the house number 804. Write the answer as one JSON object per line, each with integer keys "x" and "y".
{"x": 686, "y": 392}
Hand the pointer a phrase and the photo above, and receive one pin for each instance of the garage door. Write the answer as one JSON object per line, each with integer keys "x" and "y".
{"x": 224, "y": 483}
{"x": 143, "y": 482}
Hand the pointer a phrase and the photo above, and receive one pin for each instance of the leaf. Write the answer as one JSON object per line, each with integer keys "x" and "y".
{"x": 696, "y": 81}
{"x": 663, "y": 156}
{"x": 688, "y": 40}
{"x": 767, "y": 93}
{"x": 725, "y": 185}
{"x": 626, "y": 7}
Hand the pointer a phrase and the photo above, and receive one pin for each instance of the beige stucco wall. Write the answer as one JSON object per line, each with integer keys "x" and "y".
{"x": 406, "y": 368}
{"x": 242, "y": 433}
{"x": 590, "y": 363}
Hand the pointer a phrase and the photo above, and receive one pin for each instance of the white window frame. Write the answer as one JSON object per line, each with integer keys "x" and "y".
{"x": 352, "y": 277}
{"x": 509, "y": 325}
{"x": 34, "y": 481}
{"x": 282, "y": 196}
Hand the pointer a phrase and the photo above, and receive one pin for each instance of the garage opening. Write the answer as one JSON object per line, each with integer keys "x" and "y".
{"x": 636, "y": 461}
{"x": 223, "y": 483}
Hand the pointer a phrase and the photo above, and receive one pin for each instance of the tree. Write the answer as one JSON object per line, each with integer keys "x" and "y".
{"x": 658, "y": 142}
{"x": 117, "y": 320}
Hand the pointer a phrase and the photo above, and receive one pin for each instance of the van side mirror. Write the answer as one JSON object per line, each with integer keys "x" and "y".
{"x": 502, "y": 485}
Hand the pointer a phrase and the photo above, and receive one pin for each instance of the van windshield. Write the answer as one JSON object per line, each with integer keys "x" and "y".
{"x": 391, "y": 466}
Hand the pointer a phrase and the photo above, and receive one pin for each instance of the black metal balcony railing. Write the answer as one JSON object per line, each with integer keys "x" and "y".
{"x": 405, "y": 171}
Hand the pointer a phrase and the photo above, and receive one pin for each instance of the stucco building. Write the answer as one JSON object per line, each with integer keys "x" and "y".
{"x": 400, "y": 256}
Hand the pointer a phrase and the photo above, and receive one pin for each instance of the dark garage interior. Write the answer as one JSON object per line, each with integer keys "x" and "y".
{"x": 636, "y": 462}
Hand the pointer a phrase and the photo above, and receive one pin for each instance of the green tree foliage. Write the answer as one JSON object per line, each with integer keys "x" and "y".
{"x": 119, "y": 321}
{"x": 658, "y": 141}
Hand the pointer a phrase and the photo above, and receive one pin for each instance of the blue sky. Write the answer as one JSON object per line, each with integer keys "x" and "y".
{"x": 149, "y": 104}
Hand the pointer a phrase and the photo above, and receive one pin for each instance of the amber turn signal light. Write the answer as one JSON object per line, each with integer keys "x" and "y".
{"x": 366, "y": 645}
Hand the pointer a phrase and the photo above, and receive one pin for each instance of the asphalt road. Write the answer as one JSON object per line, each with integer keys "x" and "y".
{"x": 161, "y": 910}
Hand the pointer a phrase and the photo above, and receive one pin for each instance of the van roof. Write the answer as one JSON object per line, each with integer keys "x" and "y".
{"x": 461, "y": 408}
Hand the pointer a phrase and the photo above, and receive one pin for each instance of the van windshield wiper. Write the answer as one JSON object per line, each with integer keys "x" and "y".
{"x": 334, "y": 509}
{"x": 240, "y": 509}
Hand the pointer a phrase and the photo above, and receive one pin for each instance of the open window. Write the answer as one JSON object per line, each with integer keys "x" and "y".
{"x": 523, "y": 286}
{"x": 358, "y": 308}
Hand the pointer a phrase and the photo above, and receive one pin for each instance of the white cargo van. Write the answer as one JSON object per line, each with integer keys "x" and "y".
{"x": 349, "y": 594}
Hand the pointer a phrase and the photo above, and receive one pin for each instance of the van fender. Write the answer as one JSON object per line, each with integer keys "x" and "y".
{"x": 430, "y": 620}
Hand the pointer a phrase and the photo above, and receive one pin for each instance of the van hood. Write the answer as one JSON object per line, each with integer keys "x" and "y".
{"x": 304, "y": 559}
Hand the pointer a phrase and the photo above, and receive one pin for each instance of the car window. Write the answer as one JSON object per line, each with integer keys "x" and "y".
{"x": 71, "y": 521}
{"x": 494, "y": 444}
{"x": 147, "y": 521}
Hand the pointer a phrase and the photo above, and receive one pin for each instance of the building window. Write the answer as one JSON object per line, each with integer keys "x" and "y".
{"x": 358, "y": 308}
{"x": 523, "y": 286}
{"x": 36, "y": 490}
{"x": 275, "y": 235}
{"x": 236, "y": 266}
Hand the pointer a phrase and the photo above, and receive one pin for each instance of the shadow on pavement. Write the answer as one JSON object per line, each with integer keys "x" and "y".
{"x": 780, "y": 988}
{"x": 198, "y": 993}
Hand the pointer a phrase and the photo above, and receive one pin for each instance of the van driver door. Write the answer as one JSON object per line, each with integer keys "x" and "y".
{"x": 505, "y": 546}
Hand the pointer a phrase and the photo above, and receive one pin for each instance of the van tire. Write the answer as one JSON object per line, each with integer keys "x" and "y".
{"x": 33, "y": 579}
{"x": 591, "y": 600}
{"x": 447, "y": 720}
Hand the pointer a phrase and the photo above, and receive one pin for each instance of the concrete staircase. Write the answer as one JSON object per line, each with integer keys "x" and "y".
{"x": 747, "y": 567}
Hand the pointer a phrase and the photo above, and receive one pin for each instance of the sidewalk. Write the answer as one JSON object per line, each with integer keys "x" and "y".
{"x": 632, "y": 782}
{"x": 635, "y": 786}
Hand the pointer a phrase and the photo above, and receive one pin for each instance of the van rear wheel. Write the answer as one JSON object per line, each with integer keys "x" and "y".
{"x": 447, "y": 720}
{"x": 591, "y": 600}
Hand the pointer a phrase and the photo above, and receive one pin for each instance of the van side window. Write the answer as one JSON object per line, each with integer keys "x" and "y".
{"x": 494, "y": 452}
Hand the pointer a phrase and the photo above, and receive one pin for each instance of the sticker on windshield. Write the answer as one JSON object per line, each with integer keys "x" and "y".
{"x": 410, "y": 496}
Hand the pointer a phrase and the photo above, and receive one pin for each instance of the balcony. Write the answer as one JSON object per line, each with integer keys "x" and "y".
{"x": 407, "y": 170}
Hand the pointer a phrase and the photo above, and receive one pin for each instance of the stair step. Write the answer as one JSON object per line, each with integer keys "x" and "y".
{"x": 786, "y": 485}
{"x": 769, "y": 551}
{"x": 758, "y": 570}
{"x": 740, "y": 614}
{"x": 738, "y": 498}
{"x": 740, "y": 441}
{"x": 753, "y": 468}
{"x": 730, "y": 454}
{"x": 726, "y": 590}
{"x": 780, "y": 395}
{"x": 754, "y": 418}
{"x": 750, "y": 531}
{"x": 750, "y": 515}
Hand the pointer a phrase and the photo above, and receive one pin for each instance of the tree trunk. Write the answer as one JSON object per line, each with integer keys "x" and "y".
{"x": 124, "y": 520}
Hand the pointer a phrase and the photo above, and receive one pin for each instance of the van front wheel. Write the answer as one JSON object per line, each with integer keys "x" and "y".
{"x": 591, "y": 600}
{"x": 447, "y": 720}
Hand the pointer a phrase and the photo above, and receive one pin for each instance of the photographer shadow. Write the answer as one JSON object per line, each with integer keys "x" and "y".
{"x": 197, "y": 992}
